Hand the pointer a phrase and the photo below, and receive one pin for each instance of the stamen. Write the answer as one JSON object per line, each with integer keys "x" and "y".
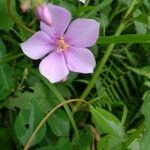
{"x": 62, "y": 45}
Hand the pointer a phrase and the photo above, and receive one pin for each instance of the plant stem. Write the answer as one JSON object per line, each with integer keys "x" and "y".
{"x": 46, "y": 118}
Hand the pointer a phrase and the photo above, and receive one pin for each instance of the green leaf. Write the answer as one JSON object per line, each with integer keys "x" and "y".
{"x": 108, "y": 122}
{"x": 6, "y": 80}
{"x": 5, "y": 21}
{"x": 5, "y": 140}
{"x": 59, "y": 123}
{"x": 63, "y": 144}
{"x": 26, "y": 123}
{"x": 135, "y": 145}
{"x": 144, "y": 71}
{"x": 6, "y": 75}
{"x": 141, "y": 21}
{"x": 110, "y": 142}
{"x": 145, "y": 144}
{"x": 142, "y": 18}
{"x": 40, "y": 94}
{"x": 129, "y": 38}
{"x": 58, "y": 95}
{"x": 84, "y": 140}
{"x": 2, "y": 49}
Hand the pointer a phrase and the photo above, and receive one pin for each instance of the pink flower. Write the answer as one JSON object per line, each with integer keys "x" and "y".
{"x": 43, "y": 13}
{"x": 62, "y": 46}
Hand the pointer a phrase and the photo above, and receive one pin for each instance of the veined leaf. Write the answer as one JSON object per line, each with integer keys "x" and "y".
{"x": 26, "y": 123}
{"x": 144, "y": 71}
{"x": 108, "y": 122}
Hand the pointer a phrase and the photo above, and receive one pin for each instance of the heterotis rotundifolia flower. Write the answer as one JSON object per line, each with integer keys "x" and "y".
{"x": 63, "y": 45}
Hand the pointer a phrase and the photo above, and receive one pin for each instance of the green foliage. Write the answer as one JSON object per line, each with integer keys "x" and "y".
{"x": 118, "y": 117}
{"x": 27, "y": 121}
{"x": 5, "y": 21}
{"x": 59, "y": 123}
{"x": 108, "y": 122}
{"x": 145, "y": 145}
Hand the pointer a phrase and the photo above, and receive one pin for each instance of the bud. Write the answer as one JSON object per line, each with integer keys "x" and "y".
{"x": 25, "y": 5}
{"x": 43, "y": 14}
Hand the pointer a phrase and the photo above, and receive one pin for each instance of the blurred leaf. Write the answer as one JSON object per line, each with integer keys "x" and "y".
{"x": 144, "y": 71}
{"x": 63, "y": 144}
{"x": 140, "y": 26}
{"x": 147, "y": 83}
{"x": 127, "y": 2}
{"x": 5, "y": 21}
{"x": 110, "y": 142}
{"x": 142, "y": 18}
{"x": 132, "y": 38}
{"x": 108, "y": 122}
{"x": 64, "y": 90}
{"x": 84, "y": 9}
{"x": 27, "y": 121}
{"x": 84, "y": 140}
{"x": 99, "y": 7}
{"x": 5, "y": 140}
{"x": 2, "y": 49}
{"x": 6, "y": 81}
{"x": 68, "y": 6}
{"x": 59, "y": 123}
{"x": 145, "y": 144}
{"x": 135, "y": 145}
{"x": 39, "y": 93}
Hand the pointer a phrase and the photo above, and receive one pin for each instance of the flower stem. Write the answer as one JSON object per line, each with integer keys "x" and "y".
{"x": 105, "y": 57}
{"x": 46, "y": 118}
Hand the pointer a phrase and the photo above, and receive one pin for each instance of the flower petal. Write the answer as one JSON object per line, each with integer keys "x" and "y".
{"x": 54, "y": 67}
{"x": 60, "y": 19}
{"x": 80, "y": 60}
{"x": 50, "y": 30}
{"x": 83, "y": 32}
{"x": 38, "y": 45}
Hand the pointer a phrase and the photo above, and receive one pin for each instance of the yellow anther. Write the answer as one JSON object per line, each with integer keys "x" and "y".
{"x": 62, "y": 45}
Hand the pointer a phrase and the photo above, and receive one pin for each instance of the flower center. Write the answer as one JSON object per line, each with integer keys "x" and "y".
{"x": 62, "y": 45}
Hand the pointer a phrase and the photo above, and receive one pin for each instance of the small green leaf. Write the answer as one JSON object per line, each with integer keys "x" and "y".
{"x": 108, "y": 122}
{"x": 26, "y": 123}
